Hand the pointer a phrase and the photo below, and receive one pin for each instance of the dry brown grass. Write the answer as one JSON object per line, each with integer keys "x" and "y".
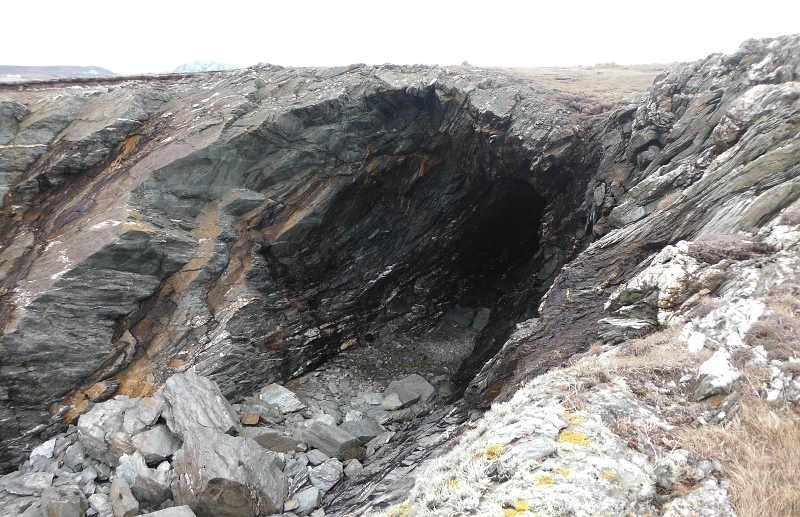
{"x": 714, "y": 248}
{"x": 760, "y": 454}
{"x": 779, "y": 330}
{"x": 657, "y": 356}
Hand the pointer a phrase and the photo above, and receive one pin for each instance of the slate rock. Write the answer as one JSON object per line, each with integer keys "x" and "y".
{"x": 282, "y": 397}
{"x": 316, "y": 457}
{"x": 32, "y": 483}
{"x": 296, "y": 465}
{"x": 365, "y": 430}
{"x": 122, "y": 500}
{"x": 175, "y": 511}
{"x": 308, "y": 499}
{"x": 326, "y": 475}
{"x": 156, "y": 444}
{"x": 101, "y": 504}
{"x": 392, "y": 401}
{"x": 101, "y": 430}
{"x": 150, "y": 487}
{"x": 353, "y": 469}
{"x": 413, "y": 385}
{"x": 193, "y": 401}
{"x": 220, "y": 474}
{"x": 63, "y": 501}
{"x": 271, "y": 440}
{"x": 334, "y": 441}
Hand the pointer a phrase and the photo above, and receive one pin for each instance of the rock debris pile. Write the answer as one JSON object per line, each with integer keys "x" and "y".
{"x": 187, "y": 451}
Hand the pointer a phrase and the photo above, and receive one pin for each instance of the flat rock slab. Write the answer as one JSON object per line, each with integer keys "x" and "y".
{"x": 365, "y": 430}
{"x": 193, "y": 401}
{"x": 282, "y": 397}
{"x": 220, "y": 474}
{"x": 175, "y": 511}
{"x": 122, "y": 500}
{"x": 273, "y": 440}
{"x": 334, "y": 441}
{"x": 413, "y": 385}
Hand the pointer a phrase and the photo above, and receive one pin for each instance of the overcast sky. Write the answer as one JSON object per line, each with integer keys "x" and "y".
{"x": 154, "y": 36}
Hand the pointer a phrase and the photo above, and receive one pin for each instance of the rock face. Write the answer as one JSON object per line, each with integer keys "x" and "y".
{"x": 709, "y": 151}
{"x": 254, "y": 223}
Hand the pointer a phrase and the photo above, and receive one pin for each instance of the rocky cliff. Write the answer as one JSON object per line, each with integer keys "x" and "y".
{"x": 252, "y": 225}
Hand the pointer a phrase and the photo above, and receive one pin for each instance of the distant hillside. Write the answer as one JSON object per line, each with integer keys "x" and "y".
{"x": 12, "y": 73}
{"x": 203, "y": 66}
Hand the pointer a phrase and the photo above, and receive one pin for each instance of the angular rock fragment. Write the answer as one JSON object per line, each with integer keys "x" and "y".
{"x": 414, "y": 384}
{"x": 327, "y": 474}
{"x": 334, "y": 441}
{"x": 175, "y": 511}
{"x": 32, "y": 483}
{"x": 193, "y": 401}
{"x": 272, "y": 440}
{"x": 101, "y": 430}
{"x": 317, "y": 457}
{"x": 220, "y": 474}
{"x": 365, "y": 430}
{"x": 122, "y": 500}
{"x": 156, "y": 444}
{"x": 717, "y": 375}
{"x": 63, "y": 501}
{"x": 282, "y": 397}
{"x": 150, "y": 487}
{"x": 308, "y": 499}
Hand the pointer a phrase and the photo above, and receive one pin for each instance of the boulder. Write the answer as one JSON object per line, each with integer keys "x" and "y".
{"x": 317, "y": 457}
{"x": 365, "y": 430}
{"x": 175, "y": 511}
{"x": 272, "y": 440}
{"x": 282, "y": 397}
{"x": 156, "y": 444}
{"x": 220, "y": 474}
{"x": 307, "y": 500}
{"x": 410, "y": 387}
{"x": 193, "y": 401}
{"x": 334, "y": 441}
{"x": 122, "y": 500}
{"x": 32, "y": 483}
{"x": 101, "y": 503}
{"x": 717, "y": 375}
{"x": 150, "y": 487}
{"x": 63, "y": 501}
{"x": 327, "y": 474}
{"x": 101, "y": 433}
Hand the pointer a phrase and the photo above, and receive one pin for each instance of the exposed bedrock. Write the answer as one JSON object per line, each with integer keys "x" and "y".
{"x": 712, "y": 149}
{"x": 254, "y": 223}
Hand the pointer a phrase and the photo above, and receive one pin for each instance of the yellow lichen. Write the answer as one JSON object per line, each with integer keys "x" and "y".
{"x": 510, "y": 512}
{"x": 451, "y": 483}
{"x": 573, "y": 419}
{"x": 575, "y": 437}
{"x": 544, "y": 479}
{"x": 608, "y": 475}
{"x": 563, "y": 471}
{"x": 493, "y": 451}
{"x": 521, "y": 505}
{"x": 400, "y": 510}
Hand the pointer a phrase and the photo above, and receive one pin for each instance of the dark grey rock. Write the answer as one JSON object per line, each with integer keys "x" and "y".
{"x": 271, "y": 440}
{"x": 221, "y": 474}
{"x": 481, "y": 318}
{"x": 316, "y": 456}
{"x": 364, "y": 430}
{"x": 412, "y": 388}
{"x": 63, "y": 501}
{"x": 333, "y": 441}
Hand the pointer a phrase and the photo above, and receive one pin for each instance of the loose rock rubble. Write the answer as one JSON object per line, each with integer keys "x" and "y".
{"x": 188, "y": 451}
